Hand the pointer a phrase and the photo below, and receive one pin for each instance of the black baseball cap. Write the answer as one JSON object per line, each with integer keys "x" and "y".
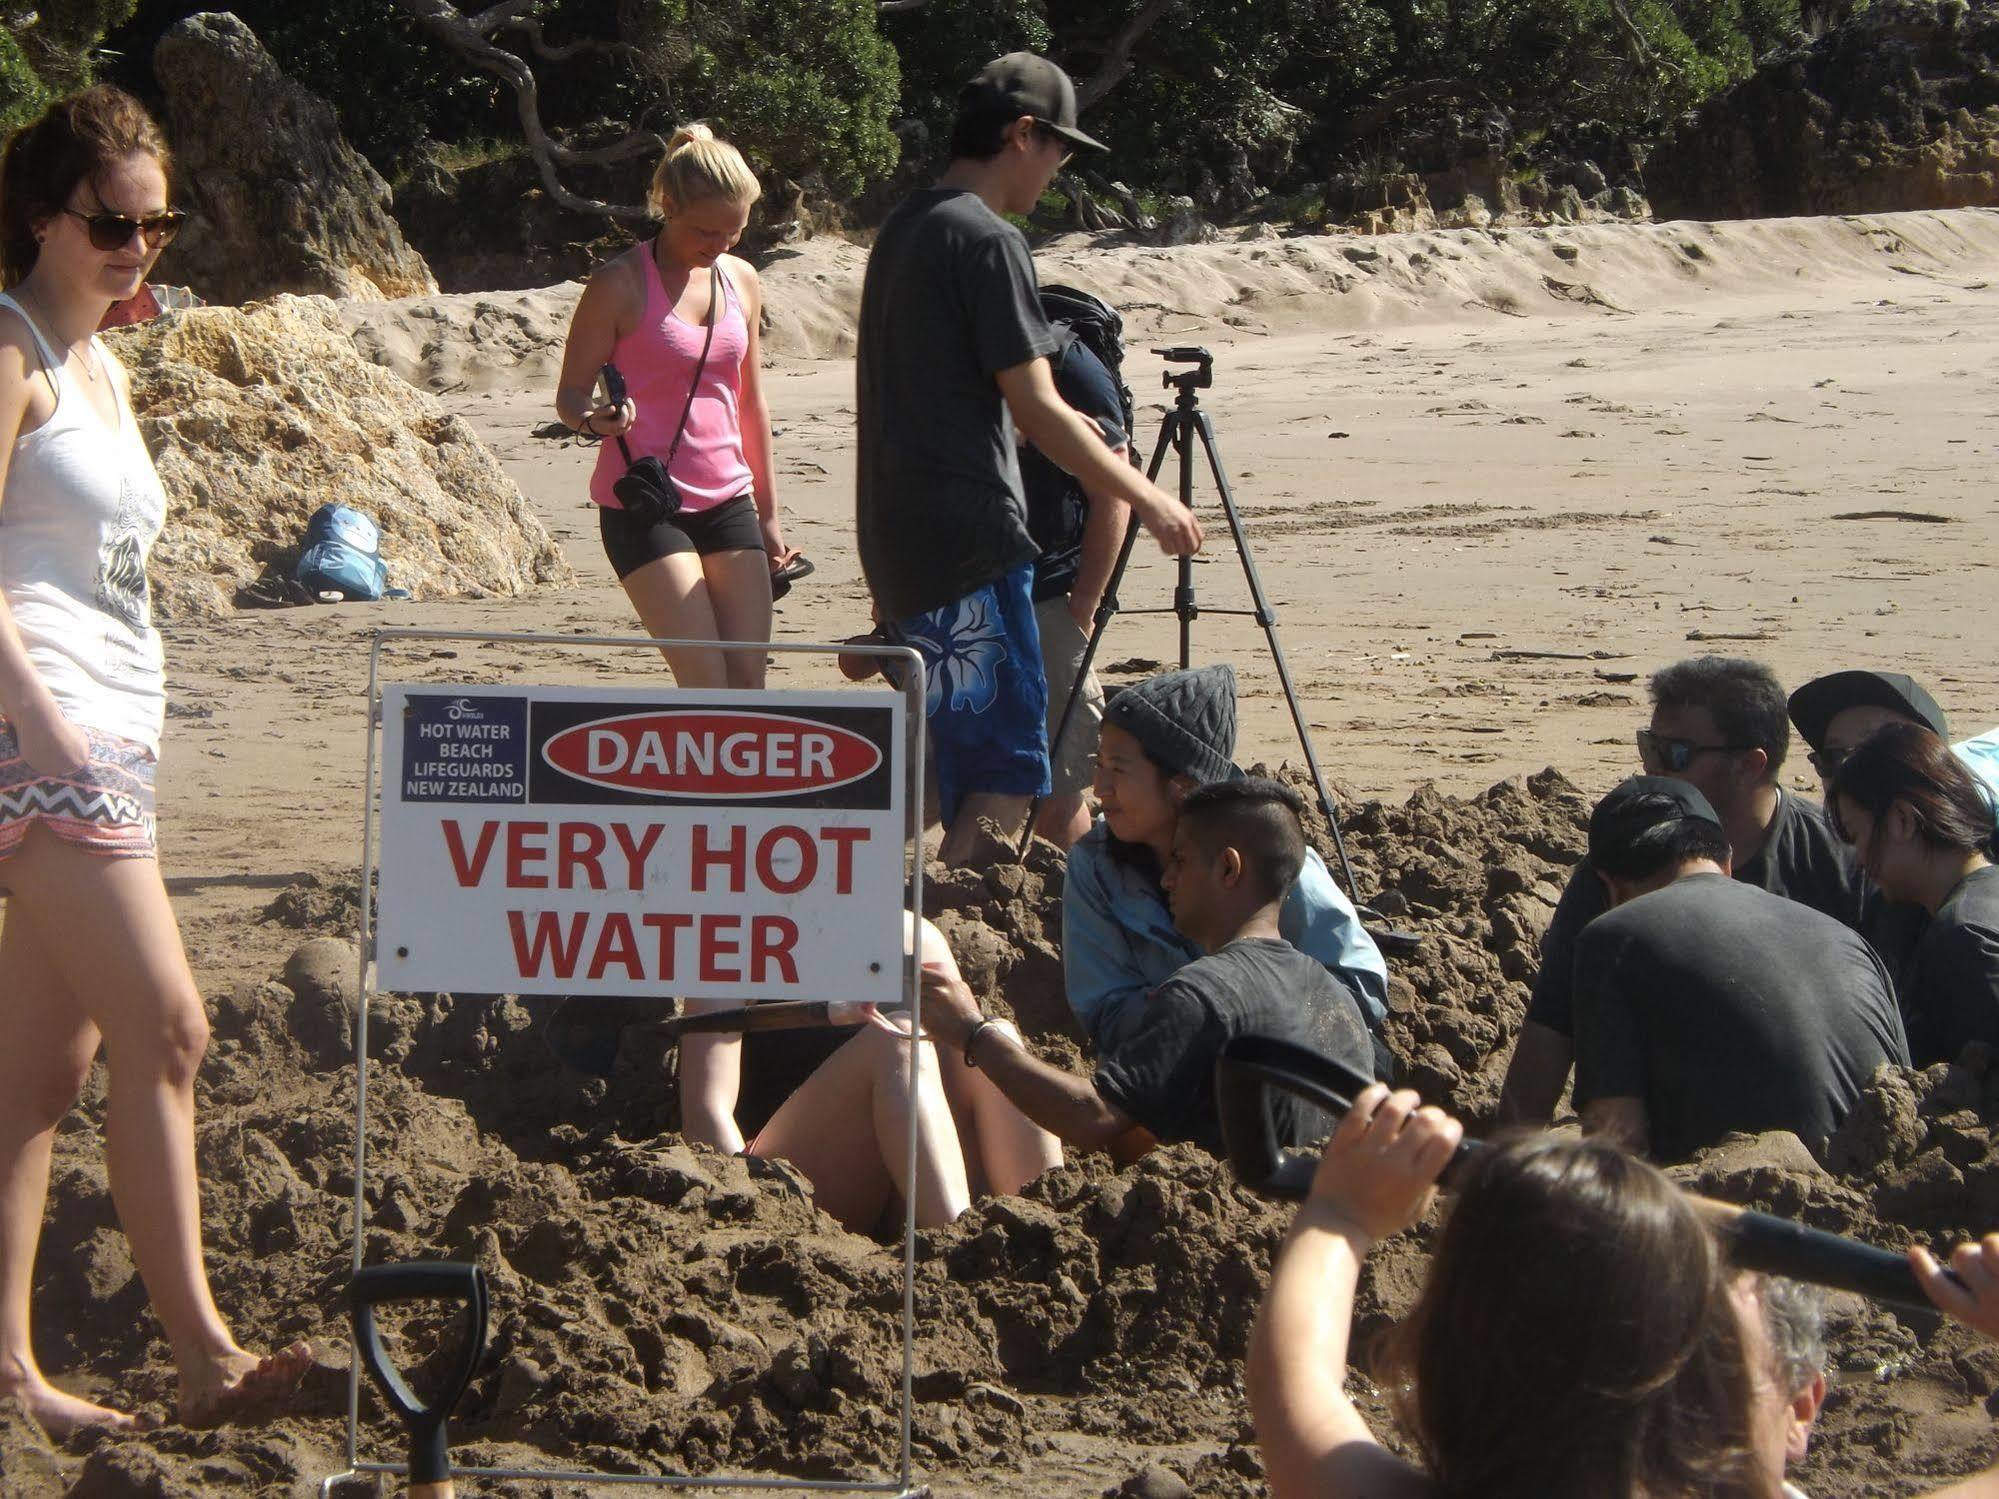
{"x": 1814, "y": 705}
{"x": 1636, "y": 806}
{"x": 1022, "y": 83}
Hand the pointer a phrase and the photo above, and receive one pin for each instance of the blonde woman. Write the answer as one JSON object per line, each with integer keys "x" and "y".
{"x": 678, "y": 316}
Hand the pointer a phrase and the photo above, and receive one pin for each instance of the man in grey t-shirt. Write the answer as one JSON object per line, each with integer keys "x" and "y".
{"x": 1704, "y": 1006}
{"x": 952, "y": 342}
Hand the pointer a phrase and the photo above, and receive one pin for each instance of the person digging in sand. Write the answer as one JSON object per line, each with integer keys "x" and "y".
{"x": 1237, "y": 849}
{"x": 90, "y": 954}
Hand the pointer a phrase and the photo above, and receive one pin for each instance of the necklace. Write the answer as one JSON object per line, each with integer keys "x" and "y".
{"x": 92, "y": 367}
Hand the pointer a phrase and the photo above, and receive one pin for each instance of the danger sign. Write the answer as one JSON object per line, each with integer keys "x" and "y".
{"x": 736, "y": 845}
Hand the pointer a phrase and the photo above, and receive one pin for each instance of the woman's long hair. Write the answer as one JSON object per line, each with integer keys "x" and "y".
{"x": 1906, "y": 763}
{"x": 74, "y": 140}
{"x": 1576, "y": 1338}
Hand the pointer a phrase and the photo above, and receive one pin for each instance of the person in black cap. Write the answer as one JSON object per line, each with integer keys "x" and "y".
{"x": 952, "y": 340}
{"x": 1160, "y": 740}
{"x": 1718, "y": 723}
{"x": 1237, "y": 848}
{"x": 1922, "y": 828}
{"x": 1705, "y": 1006}
{"x": 1834, "y": 713}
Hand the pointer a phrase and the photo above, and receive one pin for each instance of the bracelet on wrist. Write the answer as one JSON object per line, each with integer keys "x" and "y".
{"x": 971, "y": 1039}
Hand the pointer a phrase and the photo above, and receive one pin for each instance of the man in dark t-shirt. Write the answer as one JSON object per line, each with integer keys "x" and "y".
{"x": 1705, "y": 1006}
{"x": 952, "y": 340}
{"x": 1720, "y": 724}
{"x": 1236, "y": 851}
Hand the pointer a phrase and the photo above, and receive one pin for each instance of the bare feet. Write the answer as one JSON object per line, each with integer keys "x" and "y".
{"x": 245, "y": 1388}
{"x": 63, "y": 1416}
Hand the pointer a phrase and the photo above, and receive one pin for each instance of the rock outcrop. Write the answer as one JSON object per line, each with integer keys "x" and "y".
{"x": 280, "y": 201}
{"x": 257, "y": 416}
{"x": 1897, "y": 109}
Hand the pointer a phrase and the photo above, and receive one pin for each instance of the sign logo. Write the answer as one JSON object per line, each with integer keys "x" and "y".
{"x": 712, "y": 753}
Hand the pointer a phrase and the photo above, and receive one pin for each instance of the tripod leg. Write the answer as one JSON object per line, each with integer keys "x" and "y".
{"x": 1267, "y": 617}
{"x": 1106, "y": 607}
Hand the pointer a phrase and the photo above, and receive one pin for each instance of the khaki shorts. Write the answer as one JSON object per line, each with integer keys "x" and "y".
{"x": 1062, "y": 646}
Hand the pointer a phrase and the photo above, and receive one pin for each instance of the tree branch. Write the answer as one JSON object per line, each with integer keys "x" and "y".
{"x": 895, "y": 7}
{"x": 467, "y": 36}
{"x": 585, "y": 46}
{"x": 1117, "y": 56}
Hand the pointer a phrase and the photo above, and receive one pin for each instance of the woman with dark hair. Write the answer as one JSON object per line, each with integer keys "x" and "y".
{"x": 1580, "y": 1335}
{"x": 1920, "y": 826}
{"x": 90, "y": 954}
{"x": 1160, "y": 739}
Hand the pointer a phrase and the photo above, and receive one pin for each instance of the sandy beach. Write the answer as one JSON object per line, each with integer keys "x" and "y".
{"x": 1490, "y": 481}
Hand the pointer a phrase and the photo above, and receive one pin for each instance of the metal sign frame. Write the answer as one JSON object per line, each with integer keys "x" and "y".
{"x": 914, "y": 690}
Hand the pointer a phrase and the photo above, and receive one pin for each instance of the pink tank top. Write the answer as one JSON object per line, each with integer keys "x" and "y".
{"x": 657, "y": 359}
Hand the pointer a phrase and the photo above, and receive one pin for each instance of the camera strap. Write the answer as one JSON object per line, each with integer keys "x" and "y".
{"x": 716, "y": 288}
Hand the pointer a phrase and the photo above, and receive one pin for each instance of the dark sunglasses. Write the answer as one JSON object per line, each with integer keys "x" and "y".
{"x": 1828, "y": 761}
{"x": 1674, "y": 755}
{"x": 1050, "y": 132}
{"x": 114, "y": 231}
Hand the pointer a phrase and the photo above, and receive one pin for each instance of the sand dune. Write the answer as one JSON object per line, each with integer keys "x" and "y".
{"x": 1266, "y": 283}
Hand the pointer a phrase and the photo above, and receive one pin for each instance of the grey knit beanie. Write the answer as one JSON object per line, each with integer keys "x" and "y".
{"x": 1185, "y": 720}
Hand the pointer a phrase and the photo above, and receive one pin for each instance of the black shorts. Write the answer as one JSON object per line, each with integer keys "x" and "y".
{"x": 732, "y": 526}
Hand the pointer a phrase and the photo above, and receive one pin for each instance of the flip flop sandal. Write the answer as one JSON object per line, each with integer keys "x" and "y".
{"x": 793, "y": 566}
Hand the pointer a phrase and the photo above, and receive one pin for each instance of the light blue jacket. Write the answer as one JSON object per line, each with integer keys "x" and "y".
{"x": 1119, "y": 941}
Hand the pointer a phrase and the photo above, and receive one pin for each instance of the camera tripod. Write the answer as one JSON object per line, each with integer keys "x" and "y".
{"x": 1186, "y": 423}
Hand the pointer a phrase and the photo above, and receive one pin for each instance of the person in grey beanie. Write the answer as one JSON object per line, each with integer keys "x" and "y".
{"x": 1161, "y": 738}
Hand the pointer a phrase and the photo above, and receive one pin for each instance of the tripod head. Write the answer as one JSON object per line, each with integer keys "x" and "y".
{"x": 1187, "y": 381}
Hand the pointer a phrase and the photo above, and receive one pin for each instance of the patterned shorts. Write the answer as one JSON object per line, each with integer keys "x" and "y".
{"x": 988, "y": 695}
{"x": 105, "y": 807}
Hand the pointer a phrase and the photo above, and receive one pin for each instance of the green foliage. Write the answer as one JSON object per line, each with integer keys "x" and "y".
{"x": 1220, "y": 99}
{"x": 942, "y": 44}
{"x": 390, "y": 84}
{"x": 45, "y": 51}
{"x": 22, "y": 92}
{"x": 809, "y": 86}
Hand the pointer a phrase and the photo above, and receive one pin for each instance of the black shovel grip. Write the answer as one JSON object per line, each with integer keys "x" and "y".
{"x": 436, "y": 1280}
{"x": 1250, "y": 1065}
{"x": 1777, "y": 1246}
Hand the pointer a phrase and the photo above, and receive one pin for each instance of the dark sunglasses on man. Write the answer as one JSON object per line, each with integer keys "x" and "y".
{"x": 114, "y": 231}
{"x": 1828, "y": 761}
{"x": 1662, "y": 755}
{"x": 1056, "y": 136}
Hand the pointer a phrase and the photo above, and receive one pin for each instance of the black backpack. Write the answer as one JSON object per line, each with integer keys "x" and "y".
{"x": 1097, "y": 324}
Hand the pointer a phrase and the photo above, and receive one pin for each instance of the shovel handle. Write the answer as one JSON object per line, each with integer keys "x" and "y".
{"x": 1251, "y": 1065}
{"x": 438, "y": 1280}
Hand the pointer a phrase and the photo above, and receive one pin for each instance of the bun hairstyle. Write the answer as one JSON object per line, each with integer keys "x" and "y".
{"x": 74, "y": 140}
{"x": 699, "y": 168}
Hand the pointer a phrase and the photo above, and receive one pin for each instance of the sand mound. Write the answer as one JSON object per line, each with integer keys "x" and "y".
{"x": 1256, "y": 283}
{"x": 257, "y": 416}
{"x": 661, "y": 1308}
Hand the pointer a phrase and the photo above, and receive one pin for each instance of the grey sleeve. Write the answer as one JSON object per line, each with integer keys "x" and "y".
{"x": 1008, "y": 327}
{"x": 1610, "y": 1058}
{"x": 1553, "y": 1001}
{"x": 1959, "y": 997}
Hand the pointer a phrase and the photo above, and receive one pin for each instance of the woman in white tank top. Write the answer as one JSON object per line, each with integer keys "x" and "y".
{"x": 89, "y": 951}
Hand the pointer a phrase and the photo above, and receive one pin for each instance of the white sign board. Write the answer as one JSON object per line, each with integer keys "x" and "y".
{"x": 727, "y": 845}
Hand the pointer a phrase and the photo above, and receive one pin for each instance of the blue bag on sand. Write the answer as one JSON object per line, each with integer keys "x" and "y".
{"x": 343, "y": 554}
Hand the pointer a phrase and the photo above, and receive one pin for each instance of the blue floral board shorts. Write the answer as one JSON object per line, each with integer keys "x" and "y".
{"x": 987, "y": 703}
